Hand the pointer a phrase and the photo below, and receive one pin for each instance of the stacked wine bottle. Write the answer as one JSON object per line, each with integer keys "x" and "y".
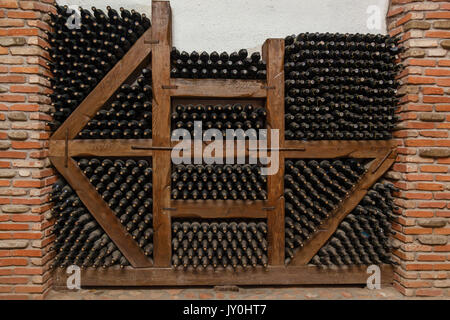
{"x": 340, "y": 86}
{"x": 313, "y": 189}
{"x": 126, "y": 186}
{"x": 129, "y": 116}
{"x": 79, "y": 239}
{"x": 225, "y": 182}
{"x": 226, "y": 244}
{"x": 84, "y": 54}
{"x": 237, "y": 65}
{"x": 363, "y": 237}
{"x": 220, "y": 117}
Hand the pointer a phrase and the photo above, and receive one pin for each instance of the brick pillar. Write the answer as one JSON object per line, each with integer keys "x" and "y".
{"x": 25, "y": 172}
{"x": 422, "y": 168}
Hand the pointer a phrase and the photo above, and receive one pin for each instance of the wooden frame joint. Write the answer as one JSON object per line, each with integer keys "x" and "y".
{"x": 165, "y": 86}
{"x": 151, "y": 41}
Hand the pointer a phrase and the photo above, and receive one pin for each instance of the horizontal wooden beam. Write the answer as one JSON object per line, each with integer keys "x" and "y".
{"x": 217, "y": 88}
{"x": 276, "y": 275}
{"x": 102, "y": 148}
{"x": 123, "y": 71}
{"x": 323, "y": 149}
{"x": 209, "y": 209}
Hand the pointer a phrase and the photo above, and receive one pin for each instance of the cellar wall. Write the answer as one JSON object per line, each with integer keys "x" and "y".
{"x": 422, "y": 167}
{"x": 421, "y": 172}
{"x": 196, "y": 26}
{"x": 26, "y": 175}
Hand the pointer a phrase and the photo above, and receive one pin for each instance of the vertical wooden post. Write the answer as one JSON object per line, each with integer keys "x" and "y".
{"x": 273, "y": 54}
{"x": 161, "y": 32}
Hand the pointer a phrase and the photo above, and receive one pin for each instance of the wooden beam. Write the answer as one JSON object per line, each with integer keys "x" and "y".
{"x": 101, "y": 212}
{"x": 219, "y": 209}
{"x": 102, "y": 148}
{"x": 329, "y": 149}
{"x": 161, "y": 31}
{"x": 123, "y": 71}
{"x": 273, "y": 54}
{"x": 220, "y": 88}
{"x": 305, "y": 254}
{"x": 277, "y": 275}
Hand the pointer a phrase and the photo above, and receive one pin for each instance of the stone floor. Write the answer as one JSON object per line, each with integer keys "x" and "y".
{"x": 252, "y": 293}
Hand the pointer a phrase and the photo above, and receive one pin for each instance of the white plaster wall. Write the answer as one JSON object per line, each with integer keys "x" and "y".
{"x": 234, "y": 24}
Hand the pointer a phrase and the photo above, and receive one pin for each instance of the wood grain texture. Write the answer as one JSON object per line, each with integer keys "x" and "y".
{"x": 273, "y": 54}
{"x": 219, "y": 209}
{"x": 276, "y": 275}
{"x": 101, "y": 212}
{"x": 220, "y": 88}
{"x": 161, "y": 31}
{"x": 305, "y": 254}
{"x": 101, "y": 148}
{"x": 330, "y": 149}
{"x": 124, "y": 71}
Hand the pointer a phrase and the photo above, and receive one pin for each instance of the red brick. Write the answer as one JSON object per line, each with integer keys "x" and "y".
{"x": 442, "y": 178}
{"x": 443, "y": 108}
{"x": 419, "y": 266}
{"x": 26, "y": 145}
{"x": 26, "y": 235}
{"x": 420, "y": 80}
{"x": 442, "y": 195}
{"x": 431, "y": 204}
{"x": 444, "y": 231}
{"x": 404, "y": 19}
{"x": 418, "y": 213}
{"x": 6, "y": 288}
{"x": 28, "y": 183}
{"x": 13, "y": 262}
{"x": 431, "y": 257}
{"x": 12, "y": 98}
{"x": 12, "y": 78}
{"x": 443, "y": 82}
{"x": 409, "y": 230}
{"x": 27, "y": 253}
{"x": 442, "y": 248}
{"x": 13, "y": 154}
{"x": 437, "y": 34}
{"x": 421, "y": 62}
{"x": 437, "y": 15}
{"x": 23, "y": 14}
{"x": 434, "y": 134}
{"x": 24, "y": 69}
{"x": 28, "y": 271}
{"x": 14, "y": 280}
{"x": 23, "y": 32}
{"x": 29, "y": 289}
{"x": 442, "y": 266}
{"x": 429, "y": 292}
{"x": 430, "y": 186}
{"x": 444, "y": 63}
{"x": 13, "y": 226}
{"x": 419, "y": 177}
{"x": 25, "y": 89}
{"x": 433, "y": 168}
{"x": 10, "y": 4}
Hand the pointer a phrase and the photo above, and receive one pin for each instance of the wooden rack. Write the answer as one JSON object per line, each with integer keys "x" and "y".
{"x": 154, "y": 48}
